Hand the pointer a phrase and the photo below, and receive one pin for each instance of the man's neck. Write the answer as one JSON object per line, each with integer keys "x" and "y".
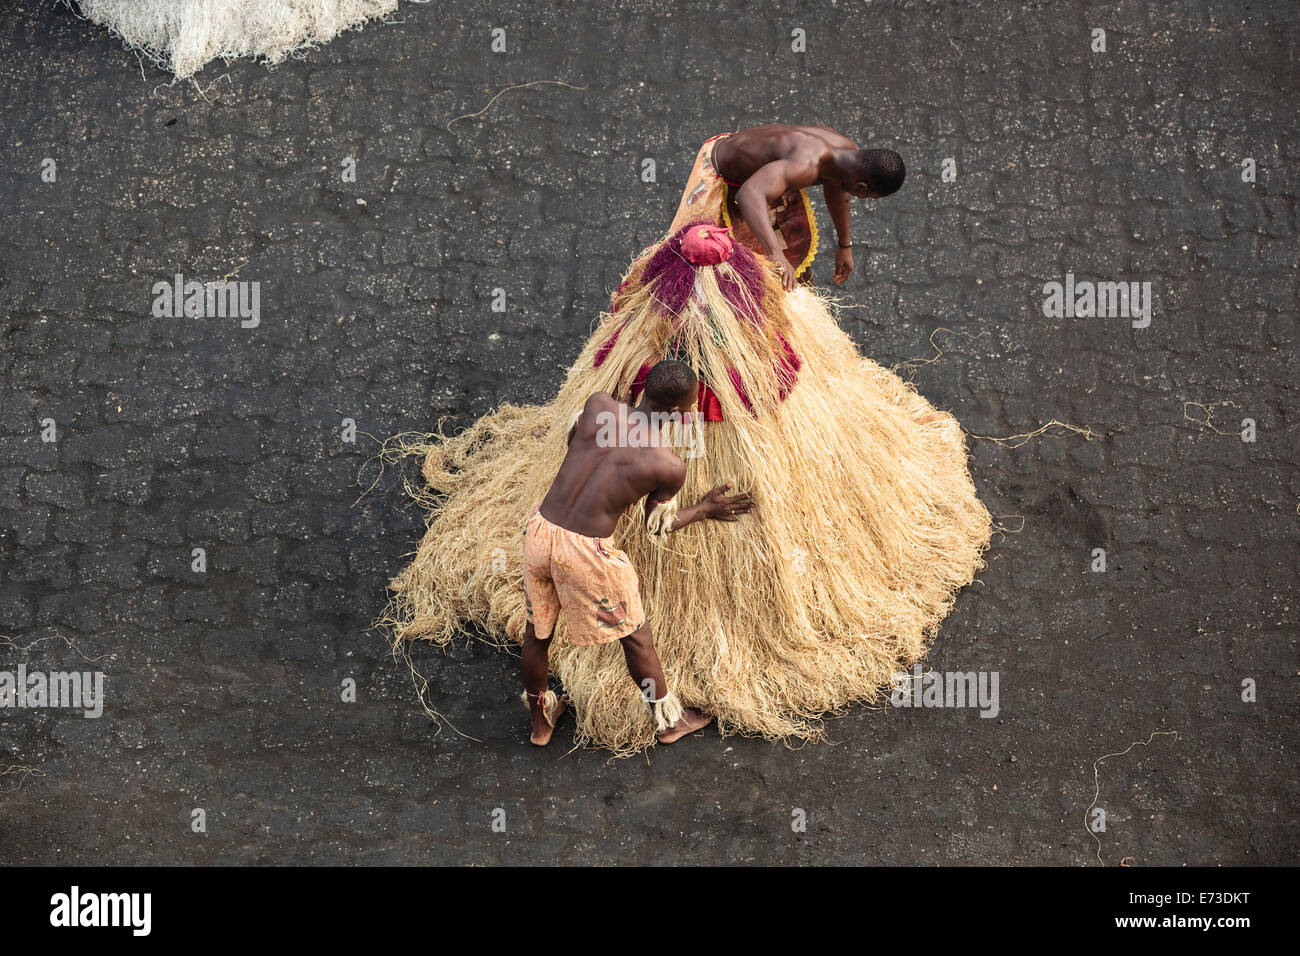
{"x": 828, "y": 169}
{"x": 650, "y": 411}
{"x": 651, "y": 417}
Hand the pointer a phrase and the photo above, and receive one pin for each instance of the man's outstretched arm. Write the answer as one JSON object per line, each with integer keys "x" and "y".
{"x": 664, "y": 517}
{"x": 837, "y": 204}
{"x": 764, "y": 187}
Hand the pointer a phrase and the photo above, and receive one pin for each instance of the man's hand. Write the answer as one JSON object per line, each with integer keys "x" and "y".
{"x": 788, "y": 279}
{"x": 843, "y": 265}
{"x": 719, "y": 507}
{"x": 714, "y": 505}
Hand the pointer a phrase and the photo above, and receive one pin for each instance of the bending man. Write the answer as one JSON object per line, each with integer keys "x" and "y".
{"x": 616, "y": 457}
{"x": 756, "y": 181}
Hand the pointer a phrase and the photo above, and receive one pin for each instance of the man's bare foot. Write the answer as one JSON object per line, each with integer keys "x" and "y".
{"x": 542, "y": 728}
{"x": 691, "y": 721}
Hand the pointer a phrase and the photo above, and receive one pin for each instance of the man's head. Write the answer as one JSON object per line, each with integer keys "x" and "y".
{"x": 872, "y": 173}
{"x": 671, "y": 386}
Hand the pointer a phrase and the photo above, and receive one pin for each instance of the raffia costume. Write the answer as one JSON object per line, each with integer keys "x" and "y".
{"x": 865, "y": 524}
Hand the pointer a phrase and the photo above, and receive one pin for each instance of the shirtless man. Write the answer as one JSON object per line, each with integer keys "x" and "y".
{"x": 616, "y": 457}
{"x": 763, "y": 172}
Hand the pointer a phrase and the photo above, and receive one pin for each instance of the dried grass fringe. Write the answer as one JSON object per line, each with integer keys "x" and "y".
{"x": 866, "y": 525}
{"x": 549, "y": 704}
{"x": 667, "y": 712}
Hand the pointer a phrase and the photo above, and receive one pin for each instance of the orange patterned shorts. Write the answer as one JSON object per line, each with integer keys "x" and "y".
{"x": 589, "y": 579}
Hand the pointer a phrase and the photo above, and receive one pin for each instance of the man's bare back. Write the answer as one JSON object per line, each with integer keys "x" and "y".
{"x": 597, "y": 481}
{"x": 742, "y": 154}
{"x": 615, "y": 459}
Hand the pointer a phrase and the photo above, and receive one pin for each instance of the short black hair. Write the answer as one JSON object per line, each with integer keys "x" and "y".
{"x": 881, "y": 169}
{"x": 669, "y": 383}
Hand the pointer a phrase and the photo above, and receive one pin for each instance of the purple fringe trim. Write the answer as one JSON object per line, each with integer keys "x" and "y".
{"x": 673, "y": 276}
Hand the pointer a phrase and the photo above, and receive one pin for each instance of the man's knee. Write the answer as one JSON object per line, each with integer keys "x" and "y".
{"x": 531, "y": 638}
{"x": 639, "y": 641}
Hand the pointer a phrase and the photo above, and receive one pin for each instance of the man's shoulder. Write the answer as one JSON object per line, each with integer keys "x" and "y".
{"x": 827, "y": 134}
{"x": 670, "y": 466}
{"x": 802, "y": 148}
{"x": 808, "y": 142}
{"x": 599, "y": 402}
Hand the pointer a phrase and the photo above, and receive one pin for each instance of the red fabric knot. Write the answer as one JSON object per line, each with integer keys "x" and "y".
{"x": 707, "y": 245}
